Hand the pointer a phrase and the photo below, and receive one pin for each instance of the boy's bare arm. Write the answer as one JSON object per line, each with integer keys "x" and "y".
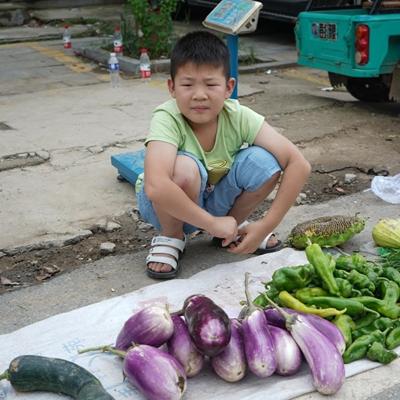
{"x": 166, "y": 194}
{"x": 296, "y": 170}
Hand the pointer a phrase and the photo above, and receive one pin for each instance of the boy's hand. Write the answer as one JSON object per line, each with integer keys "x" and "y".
{"x": 251, "y": 236}
{"x": 224, "y": 228}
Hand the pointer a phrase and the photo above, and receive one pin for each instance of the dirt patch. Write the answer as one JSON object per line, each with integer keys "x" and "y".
{"x": 37, "y": 266}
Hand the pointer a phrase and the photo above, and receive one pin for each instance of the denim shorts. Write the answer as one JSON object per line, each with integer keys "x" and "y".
{"x": 251, "y": 169}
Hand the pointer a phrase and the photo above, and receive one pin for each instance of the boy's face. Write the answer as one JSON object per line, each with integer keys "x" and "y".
{"x": 200, "y": 92}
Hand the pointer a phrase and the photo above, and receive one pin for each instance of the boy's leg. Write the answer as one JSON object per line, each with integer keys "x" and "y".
{"x": 252, "y": 177}
{"x": 190, "y": 178}
{"x": 247, "y": 202}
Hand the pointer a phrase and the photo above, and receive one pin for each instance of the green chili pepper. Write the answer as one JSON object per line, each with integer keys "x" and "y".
{"x": 360, "y": 281}
{"x": 369, "y": 301}
{"x": 344, "y": 263}
{"x": 260, "y": 301}
{"x": 272, "y": 292}
{"x": 382, "y": 324}
{"x": 361, "y": 267}
{"x": 358, "y": 349}
{"x": 345, "y": 287}
{"x": 359, "y": 263}
{"x": 358, "y": 260}
{"x": 377, "y": 352}
{"x": 392, "y": 274}
{"x": 339, "y": 273}
{"x": 291, "y": 278}
{"x": 352, "y": 307}
{"x": 287, "y": 300}
{"x": 393, "y": 338}
{"x": 381, "y": 306}
{"x": 353, "y": 261}
{"x": 366, "y": 292}
{"x": 363, "y": 331}
{"x": 324, "y": 265}
{"x": 365, "y": 269}
{"x": 372, "y": 276}
{"x": 306, "y": 293}
{"x": 390, "y": 290}
{"x": 365, "y": 321}
{"x": 378, "y": 269}
{"x": 345, "y": 324}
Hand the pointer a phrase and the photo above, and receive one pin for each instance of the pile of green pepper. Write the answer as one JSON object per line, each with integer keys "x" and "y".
{"x": 359, "y": 296}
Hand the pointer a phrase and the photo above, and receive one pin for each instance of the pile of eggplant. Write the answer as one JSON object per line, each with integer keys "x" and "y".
{"x": 161, "y": 350}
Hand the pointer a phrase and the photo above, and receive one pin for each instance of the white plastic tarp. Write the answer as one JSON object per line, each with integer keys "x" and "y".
{"x": 62, "y": 335}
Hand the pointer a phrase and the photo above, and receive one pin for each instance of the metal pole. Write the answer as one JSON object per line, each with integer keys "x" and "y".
{"x": 233, "y": 57}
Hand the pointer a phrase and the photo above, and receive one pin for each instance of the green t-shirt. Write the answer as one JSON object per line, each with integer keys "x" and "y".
{"x": 237, "y": 125}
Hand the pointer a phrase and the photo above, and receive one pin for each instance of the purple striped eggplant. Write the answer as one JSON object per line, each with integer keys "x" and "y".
{"x": 155, "y": 373}
{"x": 230, "y": 364}
{"x": 327, "y": 328}
{"x": 208, "y": 324}
{"x": 257, "y": 339}
{"x": 287, "y": 353}
{"x": 151, "y": 325}
{"x": 323, "y": 358}
{"x": 181, "y": 346}
{"x": 275, "y": 318}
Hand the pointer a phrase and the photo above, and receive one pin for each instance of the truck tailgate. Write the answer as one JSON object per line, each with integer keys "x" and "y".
{"x": 326, "y": 40}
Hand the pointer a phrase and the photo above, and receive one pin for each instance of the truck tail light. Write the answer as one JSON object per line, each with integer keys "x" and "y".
{"x": 362, "y": 44}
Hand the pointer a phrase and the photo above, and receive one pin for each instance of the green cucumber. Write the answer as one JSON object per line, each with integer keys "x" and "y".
{"x": 30, "y": 373}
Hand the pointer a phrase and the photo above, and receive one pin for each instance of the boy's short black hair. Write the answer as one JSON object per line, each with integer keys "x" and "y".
{"x": 199, "y": 48}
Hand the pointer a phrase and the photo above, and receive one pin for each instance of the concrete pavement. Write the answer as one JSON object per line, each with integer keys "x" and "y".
{"x": 80, "y": 128}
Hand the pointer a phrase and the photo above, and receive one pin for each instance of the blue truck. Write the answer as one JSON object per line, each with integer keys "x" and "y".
{"x": 357, "y": 43}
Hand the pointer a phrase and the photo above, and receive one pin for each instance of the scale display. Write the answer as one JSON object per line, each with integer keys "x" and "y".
{"x": 234, "y": 16}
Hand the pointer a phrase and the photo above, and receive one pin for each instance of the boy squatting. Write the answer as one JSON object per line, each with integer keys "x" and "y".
{"x": 210, "y": 161}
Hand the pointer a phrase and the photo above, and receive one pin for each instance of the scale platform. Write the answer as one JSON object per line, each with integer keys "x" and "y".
{"x": 129, "y": 165}
{"x": 234, "y": 16}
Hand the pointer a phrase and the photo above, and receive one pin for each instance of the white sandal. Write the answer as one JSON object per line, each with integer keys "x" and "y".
{"x": 161, "y": 245}
{"x": 263, "y": 248}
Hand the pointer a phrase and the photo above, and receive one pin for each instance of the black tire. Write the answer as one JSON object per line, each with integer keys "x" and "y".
{"x": 368, "y": 89}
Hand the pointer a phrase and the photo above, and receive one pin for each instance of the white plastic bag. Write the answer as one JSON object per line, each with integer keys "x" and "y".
{"x": 387, "y": 188}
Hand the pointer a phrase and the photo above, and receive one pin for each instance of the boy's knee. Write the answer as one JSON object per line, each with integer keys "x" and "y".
{"x": 256, "y": 166}
{"x": 186, "y": 172}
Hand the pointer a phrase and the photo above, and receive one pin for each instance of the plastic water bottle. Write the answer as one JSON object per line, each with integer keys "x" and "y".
{"x": 117, "y": 40}
{"x": 144, "y": 65}
{"x": 113, "y": 67}
{"x": 67, "y": 37}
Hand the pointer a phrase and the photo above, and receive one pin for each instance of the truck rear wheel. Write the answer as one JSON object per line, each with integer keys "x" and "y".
{"x": 368, "y": 89}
